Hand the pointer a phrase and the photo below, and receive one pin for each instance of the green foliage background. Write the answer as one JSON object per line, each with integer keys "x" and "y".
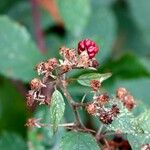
{"x": 120, "y": 27}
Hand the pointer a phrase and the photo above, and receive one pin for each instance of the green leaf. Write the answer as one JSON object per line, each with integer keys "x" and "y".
{"x": 128, "y": 123}
{"x": 45, "y": 133}
{"x": 19, "y": 54}
{"x": 57, "y": 109}
{"x": 78, "y": 141}
{"x": 24, "y": 9}
{"x": 146, "y": 62}
{"x": 5, "y": 5}
{"x": 86, "y": 78}
{"x": 11, "y": 141}
{"x": 127, "y": 66}
{"x": 143, "y": 121}
{"x": 139, "y": 88}
{"x": 139, "y": 10}
{"x": 13, "y": 112}
{"x": 47, "y": 140}
{"x": 137, "y": 140}
{"x": 75, "y": 14}
{"x": 123, "y": 122}
{"x": 102, "y": 2}
{"x": 102, "y": 28}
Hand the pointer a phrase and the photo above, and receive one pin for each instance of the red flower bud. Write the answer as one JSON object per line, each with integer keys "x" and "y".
{"x": 89, "y": 46}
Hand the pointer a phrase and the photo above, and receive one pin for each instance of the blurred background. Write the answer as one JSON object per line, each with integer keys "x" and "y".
{"x": 33, "y": 30}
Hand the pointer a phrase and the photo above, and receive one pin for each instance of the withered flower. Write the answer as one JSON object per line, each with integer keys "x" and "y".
{"x": 95, "y": 85}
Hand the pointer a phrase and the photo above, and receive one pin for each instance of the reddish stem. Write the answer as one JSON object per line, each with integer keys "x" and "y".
{"x": 38, "y": 30}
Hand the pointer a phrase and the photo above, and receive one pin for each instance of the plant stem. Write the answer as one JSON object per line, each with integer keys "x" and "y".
{"x": 106, "y": 143}
{"x": 73, "y": 105}
{"x": 65, "y": 125}
{"x": 74, "y": 126}
{"x": 98, "y": 134}
{"x": 81, "y": 104}
{"x": 85, "y": 130}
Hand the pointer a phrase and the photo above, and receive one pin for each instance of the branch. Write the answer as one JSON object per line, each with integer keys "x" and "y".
{"x": 85, "y": 130}
{"x": 65, "y": 125}
{"x": 72, "y": 104}
{"x": 98, "y": 134}
{"x": 76, "y": 104}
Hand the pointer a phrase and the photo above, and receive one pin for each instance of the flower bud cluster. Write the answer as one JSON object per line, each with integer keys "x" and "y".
{"x": 126, "y": 98}
{"x": 71, "y": 60}
{"x": 52, "y": 69}
{"x": 46, "y": 68}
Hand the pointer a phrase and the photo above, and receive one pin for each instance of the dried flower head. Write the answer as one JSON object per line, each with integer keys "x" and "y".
{"x": 40, "y": 68}
{"x": 33, "y": 122}
{"x": 52, "y": 64}
{"x": 83, "y": 60}
{"x": 121, "y": 92}
{"x": 35, "y": 84}
{"x": 46, "y": 68}
{"x": 69, "y": 54}
{"x": 91, "y": 109}
{"x": 65, "y": 67}
{"x": 106, "y": 117}
{"x": 115, "y": 110}
{"x": 62, "y": 50}
{"x": 95, "y": 85}
{"x": 129, "y": 102}
{"x": 102, "y": 99}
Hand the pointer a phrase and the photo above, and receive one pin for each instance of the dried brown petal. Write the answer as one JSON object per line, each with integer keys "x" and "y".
{"x": 69, "y": 55}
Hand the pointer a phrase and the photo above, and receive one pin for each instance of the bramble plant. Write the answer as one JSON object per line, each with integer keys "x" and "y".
{"x": 113, "y": 111}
